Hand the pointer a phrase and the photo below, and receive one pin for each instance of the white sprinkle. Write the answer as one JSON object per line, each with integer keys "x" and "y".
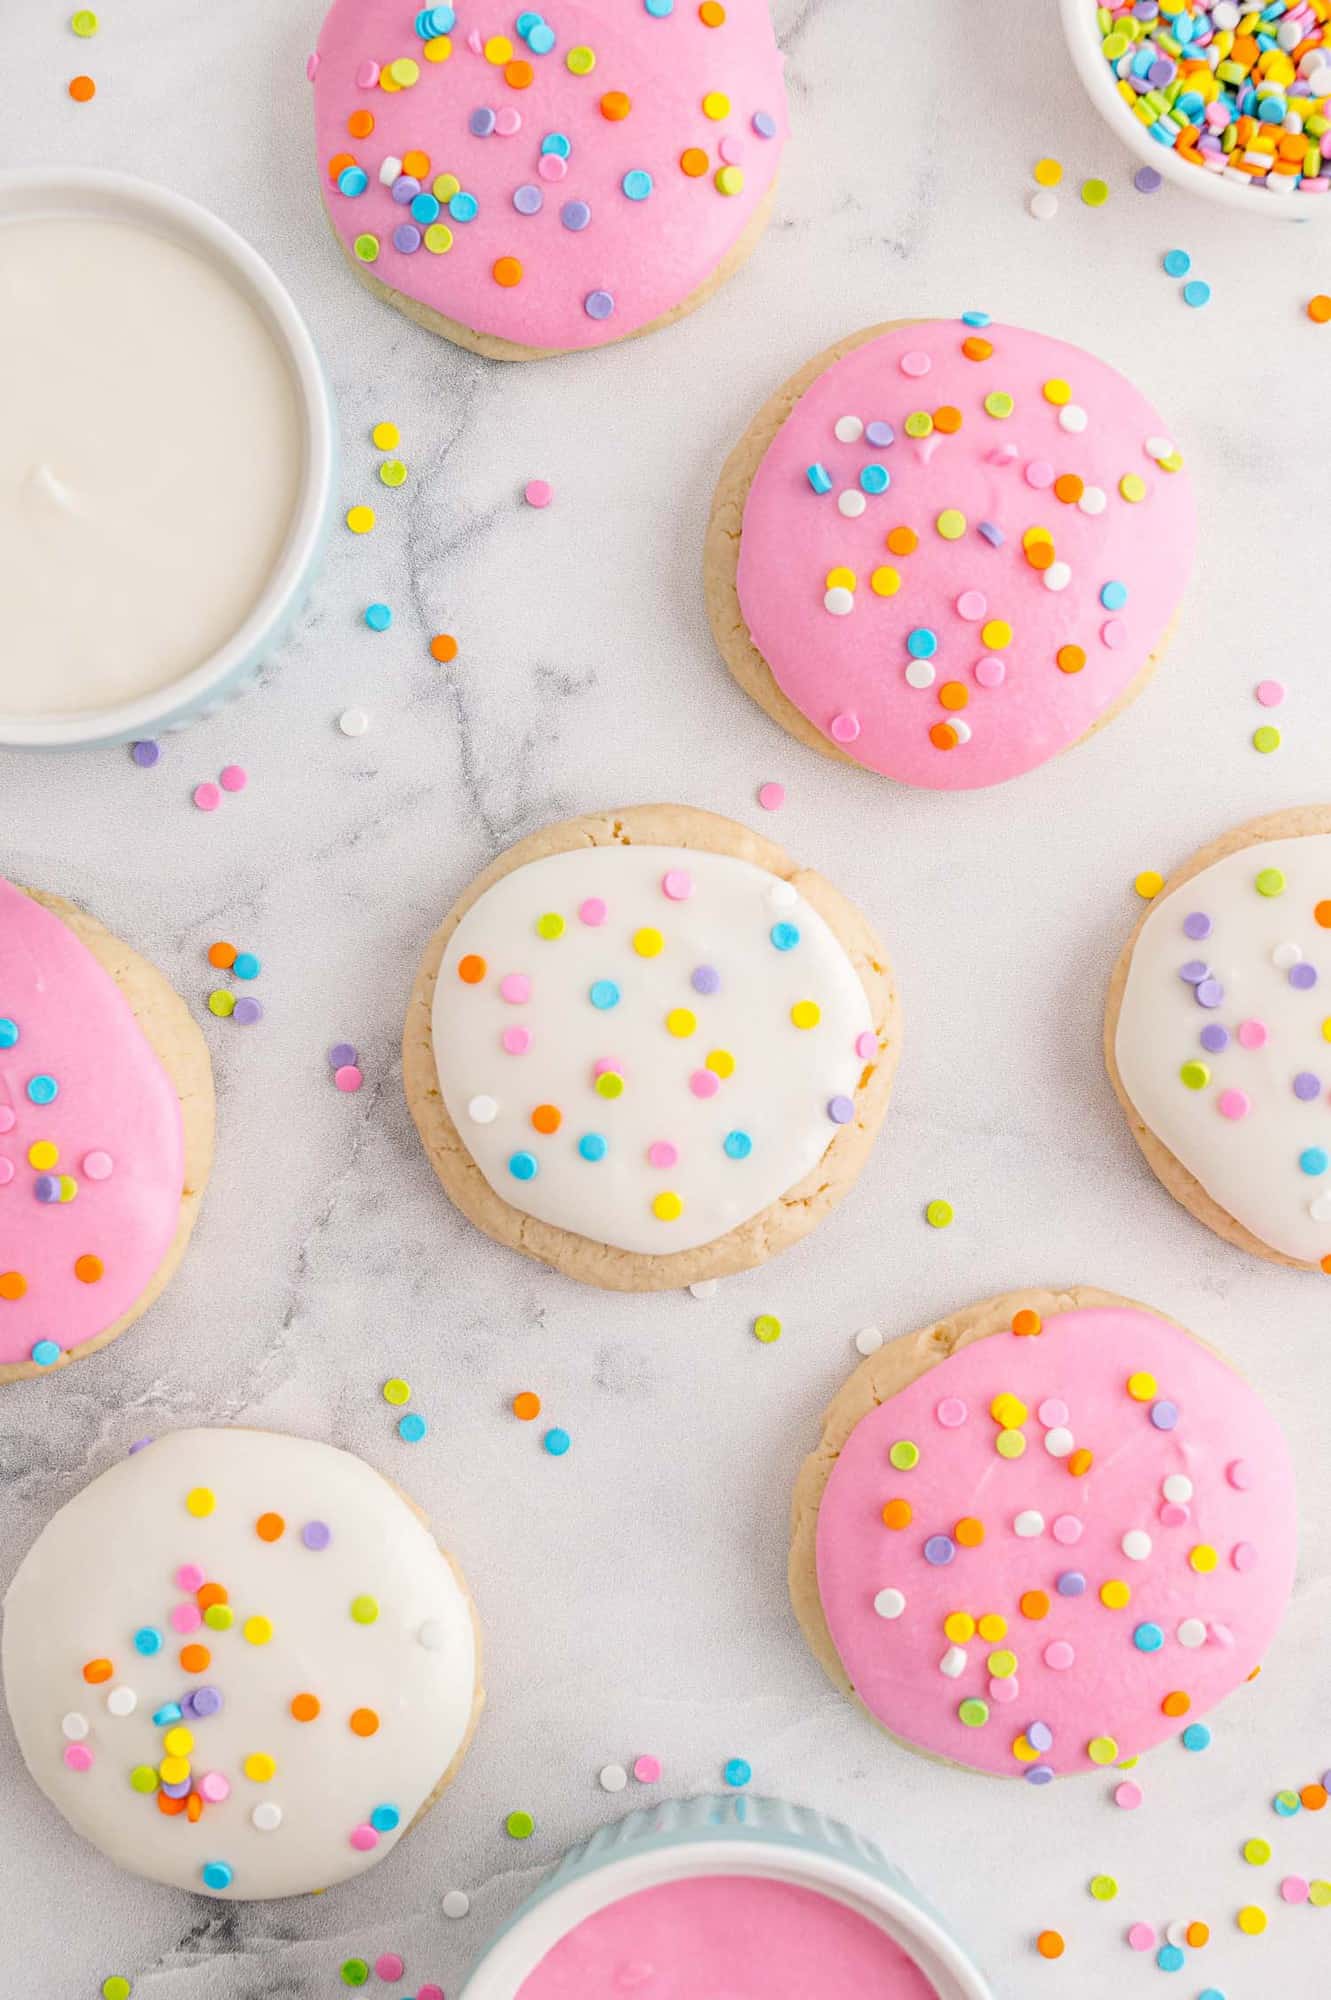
{"x": 1136, "y": 1545}
{"x": 456, "y": 1903}
{"x": 783, "y": 895}
{"x": 868, "y": 1340}
{"x": 75, "y": 1726}
{"x": 390, "y": 170}
{"x": 1286, "y": 955}
{"x": 267, "y": 1816}
{"x": 353, "y": 722}
{"x": 848, "y": 430}
{"x": 1072, "y": 418}
{"x": 482, "y": 1111}
{"x": 1028, "y": 1524}
{"x": 1058, "y": 576}
{"x": 122, "y": 1701}
{"x": 953, "y": 1662}
{"x": 613, "y": 1778}
{"x": 1320, "y": 1209}
{"x": 1059, "y": 1441}
{"x": 1158, "y": 448}
{"x": 1094, "y": 500}
{"x": 839, "y": 601}
{"x": 431, "y": 1636}
{"x": 1191, "y": 1633}
{"x": 962, "y": 730}
{"x": 851, "y": 503}
{"x": 1177, "y": 1933}
{"x": 1044, "y": 204}
{"x": 920, "y": 674}
{"x": 889, "y": 1603}
{"x": 1178, "y": 1488}
{"x": 705, "y": 1288}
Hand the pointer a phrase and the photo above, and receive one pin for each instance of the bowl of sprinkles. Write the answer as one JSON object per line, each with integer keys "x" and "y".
{"x": 1231, "y": 101}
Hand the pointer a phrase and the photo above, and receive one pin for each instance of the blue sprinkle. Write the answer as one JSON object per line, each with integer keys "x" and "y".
{"x": 1287, "y": 1807}
{"x": 592, "y": 1146}
{"x": 1313, "y": 1160}
{"x": 1196, "y": 1737}
{"x": 1211, "y": 1993}
{"x": 425, "y": 207}
{"x": 1196, "y": 292}
{"x": 1169, "y": 1958}
{"x": 217, "y": 1875}
{"x": 541, "y": 39}
{"x": 738, "y": 1772}
{"x": 43, "y": 1089}
{"x": 352, "y": 181}
{"x": 8, "y": 1033}
{"x": 786, "y": 936}
{"x": 820, "y": 479}
{"x": 523, "y": 1166}
{"x": 384, "y": 1818}
{"x": 637, "y": 184}
{"x": 464, "y": 207}
{"x": 737, "y": 1145}
{"x": 557, "y": 1442}
{"x": 246, "y": 965}
{"x": 875, "y": 478}
{"x": 148, "y": 1640}
{"x": 411, "y": 1428}
{"x": 163, "y": 1717}
{"x": 993, "y": 535}
{"x": 1148, "y": 1638}
{"x": 604, "y": 994}
{"x": 976, "y": 318}
{"x": 45, "y": 1352}
{"x": 1114, "y": 595}
{"x": 658, "y": 9}
{"x": 378, "y": 617}
{"x": 556, "y": 143}
{"x": 1178, "y": 263}
{"x": 921, "y": 643}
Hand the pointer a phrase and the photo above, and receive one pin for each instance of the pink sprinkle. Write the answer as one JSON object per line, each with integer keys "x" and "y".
{"x": 1114, "y": 634}
{"x": 508, "y": 121}
{"x": 207, "y": 798}
{"x": 234, "y": 778}
{"x": 771, "y": 796}
{"x": 516, "y": 1041}
{"x": 607, "y": 1066}
{"x": 348, "y": 1077}
{"x": 551, "y": 168}
{"x": 515, "y": 987}
{"x": 1252, "y": 1034}
{"x": 185, "y": 1618}
{"x": 1128, "y": 1796}
{"x": 647, "y": 1770}
{"x": 972, "y": 605}
{"x": 311, "y": 65}
{"x": 78, "y": 1757}
{"x": 189, "y": 1577}
{"x": 1059, "y": 1656}
{"x": 6, "y": 1118}
{"x": 1174, "y": 1514}
{"x": 677, "y": 884}
{"x": 6, "y": 1172}
{"x": 1002, "y": 454}
{"x": 1004, "y": 1689}
{"x": 704, "y": 1083}
{"x": 214, "y": 1786}
{"x": 1220, "y": 1635}
{"x": 1141, "y": 1936}
{"x": 866, "y": 1045}
{"x": 1294, "y": 1889}
{"x": 990, "y": 672}
{"x": 731, "y": 150}
{"x": 390, "y": 1966}
{"x": 363, "y": 1838}
{"x": 368, "y": 74}
{"x": 915, "y": 363}
{"x": 845, "y": 727}
{"x": 1239, "y": 1475}
{"x": 1039, "y": 473}
{"x": 662, "y": 1154}
{"x": 1052, "y": 1413}
{"x": 430, "y": 1991}
{"x": 951, "y": 1413}
{"x": 593, "y": 911}
{"x": 1067, "y": 1529}
{"x": 1271, "y": 693}
{"x": 1243, "y": 1556}
{"x": 474, "y": 42}
{"x": 538, "y": 493}
{"x": 1234, "y": 1104}
{"x": 97, "y": 1166}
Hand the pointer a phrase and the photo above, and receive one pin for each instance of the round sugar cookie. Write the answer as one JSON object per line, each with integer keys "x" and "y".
{"x": 1044, "y": 1534}
{"x": 536, "y": 183}
{"x": 648, "y": 1049}
{"x": 239, "y": 1663}
{"x": 106, "y": 1132}
{"x": 947, "y": 550}
{"x": 1218, "y": 1036}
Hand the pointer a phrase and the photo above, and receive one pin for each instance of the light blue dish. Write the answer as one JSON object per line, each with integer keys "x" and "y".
{"x": 731, "y": 1835}
{"x": 237, "y": 665}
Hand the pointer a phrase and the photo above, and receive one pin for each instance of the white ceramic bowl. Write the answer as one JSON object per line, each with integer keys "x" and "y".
{"x": 734, "y": 1835}
{"x": 236, "y": 665}
{"x": 1084, "y": 38}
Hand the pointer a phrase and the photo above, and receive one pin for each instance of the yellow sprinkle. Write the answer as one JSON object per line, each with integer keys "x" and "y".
{"x": 951, "y": 524}
{"x": 1009, "y": 1411}
{"x": 885, "y": 582}
{"x": 259, "y": 1767}
{"x": 1203, "y": 1558}
{"x": 1115, "y": 1594}
{"x": 1057, "y": 391}
{"x": 806, "y": 1014}
{"x": 992, "y": 1627}
{"x": 1149, "y": 883}
{"x": 996, "y": 634}
{"x": 681, "y": 1022}
{"x": 1132, "y": 486}
{"x": 393, "y": 472}
{"x": 178, "y": 1742}
{"x": 43, "y": 1154}
{"x": 840, "y": 579}
{"x": 1102, "y": 1750}
{"x": 1010, "y": 1444}
{"x": 445, "y": 187}
{"x": 959, "y": 1627}
{"x": 438, "y": 238}
{"x": 404, "y": 72}
{"x": 999, "y": 403}
{"x": 720, "y": 1062}
{"x": 360, "y": 520}
{"x": 667, "y": 1207}
{"x": 173, "y": 1770}
{"x": 1023, "y": 1752}
{"x": 386, "y": 437}
{"x": 716, "y": 104}
{"x": 1002, "y": 1665}
{"x": 200, "y": 1501}
{"x": 1142, "y": 1387}
{"x": 1048, "y": 173}
{"x": 729, "y": 180}
{"x": 258, "y": 1630}
{"x": 499, "y": 50}
{"x": 1251, "y": 1921}
{"x": 438, "y": 49}
{"x": 648, "y": 943}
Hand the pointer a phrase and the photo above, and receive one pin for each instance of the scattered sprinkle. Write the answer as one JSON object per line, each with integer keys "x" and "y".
{"x": 647, "y": 1770}
{"x": 456, "y": 1904}
{"x": 443, "y": 647}
{"x": 360, "y": 520}
{"x": 527, "y": 1406}
{"x": 378, "y": 617}
{"x": 1266, "y": 739}
{"x": 556, "y": 1442}
{"x": 207, "y": 798}
{"x": 84, "y": 24}
{"x": 738, "y": 1772}
{"x": 349, "y": 1077}
{"x": 519, "y": 1826}
{"x": 386, "y": 437}
{"x": 868, "y": 1340}
{"x": 1043, "y": 205}
{"x": 771, "y": 795}
{"x": 938, "y": 1214}
{"x": 1048, "y": 173}
{"x": 146, "y": 753}
{"x": 538, "y": 493}
{"x": 1270, "y": 693}
{"x": 1095, "y": 193}
{"x": 767, "y": 1328}
{"x": 612, "y": 1777}
{"x": 1319, "y": 309}
{"x": 1050, "y": 1944}
{"x": 82, "y": 89}
{"x": 1149, "y": 883}
{"x": 115, "y": 1986}
{"x": 353, "y": 722}
{"x": 411, "y": 1428}
{"x": 396, "y": 1391}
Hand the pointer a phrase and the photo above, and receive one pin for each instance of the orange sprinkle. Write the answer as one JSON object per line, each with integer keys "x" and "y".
{"x": 304, "y": 1707}
{"x": 615, "y": 105}
{"x": 417, "y": 164}
{"x": 943, "y": 736}
{"x": 1197, "y": 1935}
{"x": 507, "y": 271}
{"x": 519, "y": 75}
{"x": 1040, "y": 555}
{"x": 13, "y": 1284}
{"x": 902, "y": 541}
{"x": 471, "y": 969}
{"x": 1050, "y": 1945}
{"x": 1323, "y": 915}
{"x": 694, "y": 162}
{"x": 195, "y": 1659}
{"x": 1080, "y": 1463}
{"x": 193, "y": 1808}
{"x": 976, "y": 349}
{"x": 953, "y": 694}
{"x": 364, "y": 1722}
{"x": 339, "y": 164}
{"x": 270, "y": 1527}
{"x": 222, "y": 955}
{"x": 1314, "y": 1797}
{"x": 1027, "y": 1321}
{"x": 547, "y": 1118}
{"x": 97, "y": 1671}
{"x": 527, "y": 1405}
{"x": 897, "y": 1514}
{"x": 1176, "y": 1703}
{"x": 360, "y": 124}
{"x": 88, "y": 1269}
{"x": 443, "y": 647}
{"x": 969, "y": 1532}
{"x": 711, "y": 13}
{"x": 1034, "y": 1604}
{"x": 1069, "y": 488}
{"x": 947, "y": 420}
{"x": 1071, "y": 659}
{"x": 1326, "y": 1265}
{"x": 209, "y": 1594}
{"x": 82, "y": 88}
{"x": 1319, "y": 309}
{"x": 169, "y": 1806}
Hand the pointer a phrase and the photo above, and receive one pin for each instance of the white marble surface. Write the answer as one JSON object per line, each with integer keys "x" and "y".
{"x": 633, "y": 1593}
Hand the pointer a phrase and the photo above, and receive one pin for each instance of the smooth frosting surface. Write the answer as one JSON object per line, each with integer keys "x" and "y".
{"x": 559, "y": 189}
{"x": 147, "y": 477}
{"x": 92, "y": 1153}
{"x": 1001, "y": 1602}
{"x": 972, "y": 587}
{"x": 737, "y": 1936}
{"x": 281, "y": 1605}
{"x": 1223, "y": 1037}
{"x": 647, "y": 1045}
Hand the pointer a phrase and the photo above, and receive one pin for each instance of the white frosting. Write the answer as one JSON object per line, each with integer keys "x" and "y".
{"x": 784, "y": 1077}
{"x": 1257, "y": 950}
{"x": 150, "y": 453}
{"x": 105, "y": 1569}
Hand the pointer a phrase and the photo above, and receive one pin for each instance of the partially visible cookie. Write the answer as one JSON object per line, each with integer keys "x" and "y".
{"x": 106, "y": 1132}
{"x": 1043, "y": 1534}
{"x": 1217, "y": 1031}
{"x": 648, "y": 1049}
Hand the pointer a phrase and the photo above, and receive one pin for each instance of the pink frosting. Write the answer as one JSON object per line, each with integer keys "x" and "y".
{"x": 646, "y": 255}
{"x": 740, "y": 1936}
{"x": 1208, "y": 1583}
{"x": 845, "y": 667}
{"x": 115, "y": 1123}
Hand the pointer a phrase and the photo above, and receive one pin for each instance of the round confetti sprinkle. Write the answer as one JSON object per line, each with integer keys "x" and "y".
{"x": 767, "y": 1328}
{"x": 738, "y": 1772}
{"x": 1266, "y": 739}
{"x": 411, "y": 1428}
{"x": 938, "y": 1214}
{"x": 1050, "y": 1944}
{"x": 1251, "y": 1920}
{"x": 348, "y": 1078}
{"x": 443, "y": 647}
{"x": 1095, "y": 193}
{"x": 557, "y": 1442}
{"x": 353, "y": 722}
{"x": 1128, "y": 1795}
{"x": 647, "y": 1770}
{"x": 146, "y": 753}
{"x": 207, "y": 797}
{"x": 1149, "y": 884}
{"x": 456, "y": 1904}
{"x": 1196, "y": 292}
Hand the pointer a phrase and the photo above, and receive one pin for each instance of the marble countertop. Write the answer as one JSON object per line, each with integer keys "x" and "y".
{"x": 633, "y": 1592}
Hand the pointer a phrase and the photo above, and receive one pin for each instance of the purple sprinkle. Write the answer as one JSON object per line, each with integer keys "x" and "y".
{"x": 1147, "y": 181}
{"x": 186, "y": 1706}
{"x": 405, "y": 189}
{"x": 879, "y": 433}
{"x": 576, "y": 215}
{"x": 706, "y": 979}
{"x": 764, "y": 124}
{"x": 1039, "y": 1774}
{"x": 1197, "y": 926}
{"x": 1194, "y": 971}
{"x": 840, "y": 1110}
{"x": 992, "y": 534}
{"x": 46, "y": 1187}
{"x": 146, "y": 753}
{"x": 1215, "y": 1038}
{"x": 140, "y": 1444}
{"x": 1071, "y": 1583}
{"x": 1164, "y": 1415}
{"x": 1303, "y": 976}
{"x": 528, "y": 200}
{"x": 247, "y": 1012}
{"x": 939, "y": 1550}
{"x": 316, "y": 1534}
{"x": 406, "y": 238}
{"x": 343, "y": 1056}
{"x": 1307, "y": 1086}
{"x": 599, "y": 305}
{"x": 481, "y": 122}
{"x": 1210, "y": 993}
{"x": 176, "y": 1791}
{"x": 1326, "y": 1780}
{"x": 1040, "y": 1736}
{"x": 205, "y": 1701}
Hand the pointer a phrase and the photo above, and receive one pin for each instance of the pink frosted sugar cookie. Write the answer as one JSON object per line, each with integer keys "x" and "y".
{"x": 529, "y": 183}
{"x": 1043, "y": 1535}
{"x": 946, "y": 550}
{"x": 106, "y": 1124}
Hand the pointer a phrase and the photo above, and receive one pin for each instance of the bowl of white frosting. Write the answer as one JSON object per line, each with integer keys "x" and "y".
{"x": 167, "y": 460}
{"x": 746, "y": 1897}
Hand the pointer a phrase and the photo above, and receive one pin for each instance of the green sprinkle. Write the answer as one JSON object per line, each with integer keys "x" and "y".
{"x": 520, "y": 1826}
